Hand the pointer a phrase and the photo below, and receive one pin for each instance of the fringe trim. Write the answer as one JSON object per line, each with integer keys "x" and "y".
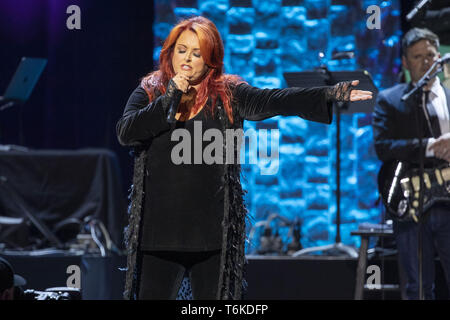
{"x": 131, "y": 232}
{"x": 231, "y": 284}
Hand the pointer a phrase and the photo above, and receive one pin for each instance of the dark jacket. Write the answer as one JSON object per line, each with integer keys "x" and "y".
{"x": 395, "y": 126}
{"x": 141, "y": 122}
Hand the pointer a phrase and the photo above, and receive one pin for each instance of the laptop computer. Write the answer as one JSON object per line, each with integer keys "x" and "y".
{"x": 24, "y": 79}
{"x": 21, "y": 86}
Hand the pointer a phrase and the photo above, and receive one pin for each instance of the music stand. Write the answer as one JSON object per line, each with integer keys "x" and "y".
{"x": 323, "y": 77}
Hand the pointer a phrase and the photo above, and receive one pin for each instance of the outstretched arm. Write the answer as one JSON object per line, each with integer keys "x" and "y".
{"x": 309, "y": 103}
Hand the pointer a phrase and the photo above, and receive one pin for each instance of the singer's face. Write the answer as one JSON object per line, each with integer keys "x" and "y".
{"x": 419, "y": 58}
{"x": 187, "y": 58}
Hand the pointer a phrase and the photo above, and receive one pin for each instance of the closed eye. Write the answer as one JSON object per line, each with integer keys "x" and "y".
{"x": 195, "y": 54}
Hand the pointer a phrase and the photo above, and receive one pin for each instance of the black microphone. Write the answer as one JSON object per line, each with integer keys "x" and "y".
{"x": 416, "y": 9}
{"x": 174, "y": 106}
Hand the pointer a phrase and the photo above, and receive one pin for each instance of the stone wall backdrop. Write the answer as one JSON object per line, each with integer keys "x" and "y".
{"x": 263, "y": 39}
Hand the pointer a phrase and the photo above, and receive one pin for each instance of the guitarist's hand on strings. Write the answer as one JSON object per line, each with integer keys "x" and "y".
{"x": 441, "y": 147}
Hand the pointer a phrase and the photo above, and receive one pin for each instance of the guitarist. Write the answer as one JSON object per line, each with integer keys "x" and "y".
{"x": 395, "y": 133}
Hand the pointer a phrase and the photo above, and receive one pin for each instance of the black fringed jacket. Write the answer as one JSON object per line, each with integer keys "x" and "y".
{"x": 249, "y": 103}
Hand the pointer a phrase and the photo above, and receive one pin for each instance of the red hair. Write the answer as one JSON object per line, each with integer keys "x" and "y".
{"x": 216, "y": 84}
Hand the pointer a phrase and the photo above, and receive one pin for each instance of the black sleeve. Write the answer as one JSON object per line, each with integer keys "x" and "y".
{"x": 140, "y": 120}
{"x": 259, "y": 104}
{"x": 387, "y": 126}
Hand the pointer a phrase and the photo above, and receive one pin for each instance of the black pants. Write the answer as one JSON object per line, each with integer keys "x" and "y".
{"x": 161, "y": 274}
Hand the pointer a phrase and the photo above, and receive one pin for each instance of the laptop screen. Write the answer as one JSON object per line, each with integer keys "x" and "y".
{"x": 24, "y": 79}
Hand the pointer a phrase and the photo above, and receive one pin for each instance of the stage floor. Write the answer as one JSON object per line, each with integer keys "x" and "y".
{"x": 268, "y": 277}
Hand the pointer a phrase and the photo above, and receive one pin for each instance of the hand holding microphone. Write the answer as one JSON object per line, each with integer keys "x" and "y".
{"x": 177, "y": 86}
{"x": 182, "y": 81}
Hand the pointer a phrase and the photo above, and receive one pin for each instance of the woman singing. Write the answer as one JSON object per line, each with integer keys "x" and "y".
{"x": 189, "y": 217}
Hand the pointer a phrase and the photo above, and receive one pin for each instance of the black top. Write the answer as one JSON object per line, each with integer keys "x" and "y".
{"x": 183, "y": 204}
{"x": 185, "y": 207}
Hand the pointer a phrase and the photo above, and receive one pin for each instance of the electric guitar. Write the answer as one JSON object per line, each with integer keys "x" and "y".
{"x": 399, "y": 186}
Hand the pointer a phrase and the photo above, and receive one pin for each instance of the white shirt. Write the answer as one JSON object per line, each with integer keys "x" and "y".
{"x": 438, "y": 101}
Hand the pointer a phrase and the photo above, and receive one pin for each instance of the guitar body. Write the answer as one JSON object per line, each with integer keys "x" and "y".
{"x": 399, "y": 186}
